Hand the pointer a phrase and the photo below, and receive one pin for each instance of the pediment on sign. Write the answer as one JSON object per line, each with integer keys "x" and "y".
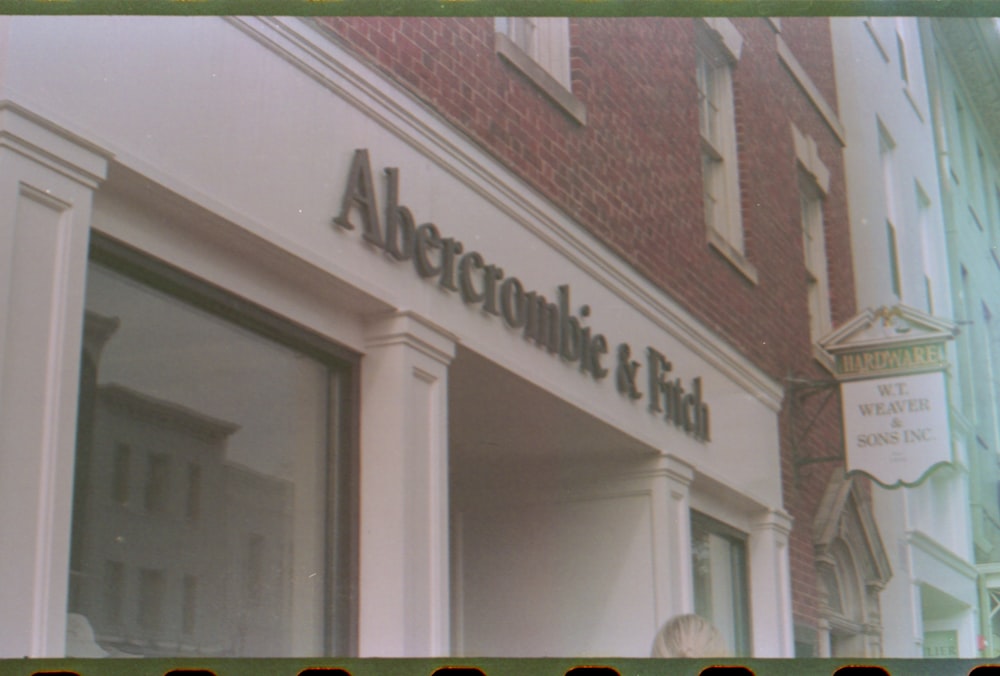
{"x": 888, "y": 326}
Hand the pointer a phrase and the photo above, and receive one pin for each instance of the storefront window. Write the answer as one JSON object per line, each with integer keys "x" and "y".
{"x": 720, "y": 579}
{"x": 213, "y": 458}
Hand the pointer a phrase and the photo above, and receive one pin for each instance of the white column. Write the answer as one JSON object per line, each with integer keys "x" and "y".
{"x": 823, "y": 639}
{"x": 672, "y": 525}
{"x": 770, "y": 586}
{"x": 46, "y": 182}
{"x": 404, "y": 582}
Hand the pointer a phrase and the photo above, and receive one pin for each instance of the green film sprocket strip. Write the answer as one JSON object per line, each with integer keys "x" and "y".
{"x": 623, "y": 8}
{"x": 494, "y": 667}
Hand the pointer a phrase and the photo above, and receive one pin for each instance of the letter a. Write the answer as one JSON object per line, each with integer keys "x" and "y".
{"x": 360, "y": 194}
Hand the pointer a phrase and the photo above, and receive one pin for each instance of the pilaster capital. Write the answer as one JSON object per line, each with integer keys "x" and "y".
{"x": 775, "y": 520}
{"x": 410, "y": 329}
{"x": 678, "y": 472}
{"x": 45, "y": 142}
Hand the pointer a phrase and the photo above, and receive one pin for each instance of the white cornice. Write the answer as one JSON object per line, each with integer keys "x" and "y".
{"x": 313, "y": 51}
{"x": 408, "y": 328}
{"x": 939, "y": 552}
{"x": 60, "y": 150}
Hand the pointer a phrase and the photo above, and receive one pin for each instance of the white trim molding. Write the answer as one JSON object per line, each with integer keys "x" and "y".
{"x": 47, "y": 179}
{"x": 811, "y": 90}
{"x": 307, "y": 46}
{"x": 807, "y": 155}
{"x": 555, "y": 86}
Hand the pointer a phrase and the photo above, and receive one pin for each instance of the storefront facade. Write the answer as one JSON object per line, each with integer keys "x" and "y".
{"x": 893, "y": 179}
{"x": 431, "y": 415}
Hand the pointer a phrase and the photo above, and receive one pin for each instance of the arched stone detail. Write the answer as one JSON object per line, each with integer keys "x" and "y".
{"x": 852, "y": 569}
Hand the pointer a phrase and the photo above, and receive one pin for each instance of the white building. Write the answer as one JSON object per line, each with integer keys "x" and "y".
{"x": 962, "y": 57}
{"x": 898, "y": 230}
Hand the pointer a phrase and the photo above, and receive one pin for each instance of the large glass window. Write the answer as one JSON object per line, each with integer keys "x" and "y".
{"x": 212, "y": 508}
{"x": 719, "y": 564}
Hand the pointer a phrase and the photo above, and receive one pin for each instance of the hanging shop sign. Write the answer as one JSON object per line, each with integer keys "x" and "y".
{"x": 888, "y": 360}
{"x": 896, "y": 429}
{"x": 891, "y": 364}
{"x": 557, "y": 326}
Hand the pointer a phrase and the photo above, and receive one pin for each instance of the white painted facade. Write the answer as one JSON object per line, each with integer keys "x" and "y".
{"x": 895, "y": 203}
{"x": 962, "y": 57}
{"x": 222, "y": 147}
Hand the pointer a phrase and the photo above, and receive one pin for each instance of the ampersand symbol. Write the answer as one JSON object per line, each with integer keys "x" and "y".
{"x": 626, "y": 372}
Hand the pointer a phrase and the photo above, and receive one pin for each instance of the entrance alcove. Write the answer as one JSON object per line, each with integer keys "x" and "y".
{"x": 553, "y": 548}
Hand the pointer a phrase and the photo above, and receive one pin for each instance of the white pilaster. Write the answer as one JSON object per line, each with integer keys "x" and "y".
{"x": 770, "y": 586}
{"x": 404, "y": 582}
{"x": 47, "y": 178}
{"x": 675, "y": 546}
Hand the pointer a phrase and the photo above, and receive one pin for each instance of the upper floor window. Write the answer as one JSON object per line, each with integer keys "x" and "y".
{"x": 927, "y": 247}
{"x": 904, "y": 71}
{"x": 895, "y": 277}
{"x": 539, "y": 47}
{"x": 814, "y": 242}
{"x": 983, "y": 180}
{"x": 544, "y": 40}
{"x": 718, "y": 46}
{"x": 890, "y": 187}
{"x": 962, "y": 141}
{"x": 814, "y": 183}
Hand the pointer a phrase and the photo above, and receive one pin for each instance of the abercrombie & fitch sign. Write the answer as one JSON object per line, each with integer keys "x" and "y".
{"x": 552, "y": 325}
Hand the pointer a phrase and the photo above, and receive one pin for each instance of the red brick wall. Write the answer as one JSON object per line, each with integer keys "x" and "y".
{"x": 632, "y": 176}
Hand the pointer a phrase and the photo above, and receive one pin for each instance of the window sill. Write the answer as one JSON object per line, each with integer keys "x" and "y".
{"x": 548, "y": 85}
{"x": 731, "y": 254}
{"x": 913, "y": 103}
{"x": 874, "y": 36}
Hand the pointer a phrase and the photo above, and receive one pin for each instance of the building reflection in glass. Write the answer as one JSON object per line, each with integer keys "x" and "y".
{"x": 199, "y": 498}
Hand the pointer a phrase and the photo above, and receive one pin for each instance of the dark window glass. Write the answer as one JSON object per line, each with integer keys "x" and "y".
{"x": 152, "y": 587}
{"x": 238, "y": 454}
{"x": 114, "y": 591}
{"x": 189, "y": 605}
{"x": 193, "y": 502}
{"x": 897, "y": 283}
{"x": 157, "y": 487}
{"x": 719, "y": 564}
{"x": 120, "y": 474}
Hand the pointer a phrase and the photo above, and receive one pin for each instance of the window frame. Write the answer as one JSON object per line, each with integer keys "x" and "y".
{"x": 541, "y": 68}
{"x": 813, "y": 178}
{"x": 718, "y": 45}
{"x": 811, "y": 202}
{"x": 743, "y": 624}
{"x": 340, "y": 548}
{"x": 893, "y": 207}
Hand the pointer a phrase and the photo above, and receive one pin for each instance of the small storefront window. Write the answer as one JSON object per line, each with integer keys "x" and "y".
{"x": 212, "y": 467}
{"x": 720, "y": 579}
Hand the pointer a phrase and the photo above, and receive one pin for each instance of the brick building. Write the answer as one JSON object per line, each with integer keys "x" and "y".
{"x": 522, "y": 314}
{"x": 629, "y": 172}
